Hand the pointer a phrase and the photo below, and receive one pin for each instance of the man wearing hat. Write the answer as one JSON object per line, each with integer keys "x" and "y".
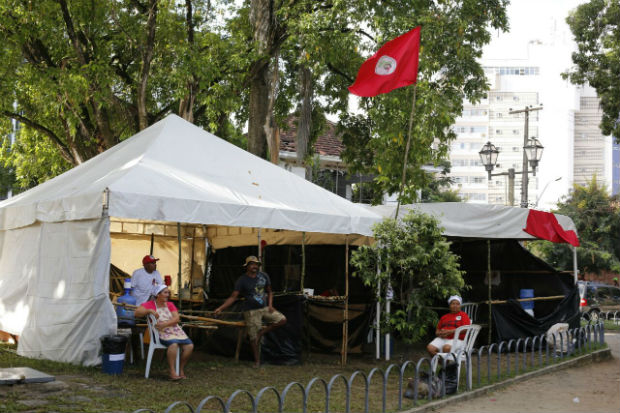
{"x": 144, "y": 280}
{"x": 255, "y": 287}
{"x": 446, "y": 327}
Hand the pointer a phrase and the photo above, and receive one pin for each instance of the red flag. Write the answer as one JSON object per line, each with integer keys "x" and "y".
{"x": 545, "y": 225}
{"x": 394, "y": 65}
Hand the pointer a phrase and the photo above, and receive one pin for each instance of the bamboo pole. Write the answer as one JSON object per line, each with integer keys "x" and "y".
{"x": 214, "y": 320}
{"x": 179, "y": 279}
{"x": 303, "y": 261}
{"x": 152, "y": 242}
{"x": 345, "y": 324}
{"x": 402, "y": 184}
{"x": 489, "y": 282}
{"x": 549, "y": 298}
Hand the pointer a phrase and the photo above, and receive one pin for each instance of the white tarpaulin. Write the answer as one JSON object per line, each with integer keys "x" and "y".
{"x": 54, "y": 289}
{"x": 55, "y": 238}
{"x": 460, "y": 219}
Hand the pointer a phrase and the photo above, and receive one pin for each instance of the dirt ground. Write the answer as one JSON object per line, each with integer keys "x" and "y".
{"x": 594, "y": 388}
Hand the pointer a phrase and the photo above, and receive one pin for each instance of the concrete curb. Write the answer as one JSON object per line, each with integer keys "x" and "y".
{"x": 595, "y": 356}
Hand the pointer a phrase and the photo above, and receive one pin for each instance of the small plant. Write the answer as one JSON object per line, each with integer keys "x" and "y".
{"x": 414, "y": 260}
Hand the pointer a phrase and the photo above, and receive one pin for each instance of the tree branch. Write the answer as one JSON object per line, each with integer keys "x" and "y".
{"x": 64, "y": 150}
{"x": 338, "y": 72}
{"x": 71, "y": 32}
{"x": 147, "y": 57}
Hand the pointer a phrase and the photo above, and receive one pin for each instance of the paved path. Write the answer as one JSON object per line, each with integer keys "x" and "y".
{"x": 593, "y": 388}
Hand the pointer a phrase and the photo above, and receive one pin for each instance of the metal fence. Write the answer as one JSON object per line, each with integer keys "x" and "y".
{"x": 503, "y": 359}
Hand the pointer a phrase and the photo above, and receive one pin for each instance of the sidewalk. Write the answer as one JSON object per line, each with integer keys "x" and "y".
{"x": 591, "y": 388}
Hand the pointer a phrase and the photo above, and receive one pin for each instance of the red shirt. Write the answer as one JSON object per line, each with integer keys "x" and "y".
{"x": 452, "y": 321}
{"x": 152, "y": 306}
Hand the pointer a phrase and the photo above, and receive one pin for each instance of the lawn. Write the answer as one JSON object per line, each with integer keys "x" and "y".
{"x": 90, "y": 390}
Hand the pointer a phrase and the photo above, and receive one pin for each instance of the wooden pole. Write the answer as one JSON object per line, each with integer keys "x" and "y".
{"x": 179, "y": 280}
{"x": 152, "y": 242}
{"x": 345, "y": 324}
{"x": 303, "y": 261}
{"x": 402, "y": 183}
{"x": 489, "y": 281}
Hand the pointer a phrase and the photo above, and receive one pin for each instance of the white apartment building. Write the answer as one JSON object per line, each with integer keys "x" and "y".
{"x": 523, "y": 68}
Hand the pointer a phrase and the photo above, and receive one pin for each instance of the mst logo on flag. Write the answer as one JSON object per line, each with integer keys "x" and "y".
{"x": 394, "y": 65}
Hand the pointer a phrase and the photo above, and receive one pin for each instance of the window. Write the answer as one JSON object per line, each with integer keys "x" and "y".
{"x": 515, "y": 131}
{"x": 498, "y": 131}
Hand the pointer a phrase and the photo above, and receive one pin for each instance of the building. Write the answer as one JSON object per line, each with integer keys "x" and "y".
{"x": 524, "y": 68}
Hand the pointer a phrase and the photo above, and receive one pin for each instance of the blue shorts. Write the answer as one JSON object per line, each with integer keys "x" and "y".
{"x": 167, "y": 343}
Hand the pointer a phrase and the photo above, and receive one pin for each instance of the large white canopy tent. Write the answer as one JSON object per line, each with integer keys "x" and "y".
{"x": 55, "y": 238}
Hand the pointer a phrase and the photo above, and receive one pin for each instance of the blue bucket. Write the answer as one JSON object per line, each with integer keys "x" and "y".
{"x": 112, "y": 363}
{"x": 527, "y": 293}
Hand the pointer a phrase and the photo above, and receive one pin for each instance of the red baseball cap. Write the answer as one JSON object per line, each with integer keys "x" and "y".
{"x": 149, "y": 258}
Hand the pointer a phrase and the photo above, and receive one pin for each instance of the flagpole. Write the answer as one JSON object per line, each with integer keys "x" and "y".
{"x": 402, "y": 183}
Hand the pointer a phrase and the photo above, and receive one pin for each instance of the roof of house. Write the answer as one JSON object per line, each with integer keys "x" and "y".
{"x": 327, "y": 143}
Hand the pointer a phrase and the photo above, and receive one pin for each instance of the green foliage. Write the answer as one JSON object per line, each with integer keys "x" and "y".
{"x": 415, "y": 259}
{"x": 452, "y": 36}
{"x": 596, "y": 27}
{"x": 597, "y": 218}
{"x": 438, "y": 190}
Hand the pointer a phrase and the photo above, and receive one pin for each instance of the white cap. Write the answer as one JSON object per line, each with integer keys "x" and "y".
{"x": 158, "y": 288}
{"x": 455, "y": 297}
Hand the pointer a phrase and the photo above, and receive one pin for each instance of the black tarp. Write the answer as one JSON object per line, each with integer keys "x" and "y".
{"x": 309, "y": 320}
{"x": 515, "y": 268}
{"x": 511, "y": 321}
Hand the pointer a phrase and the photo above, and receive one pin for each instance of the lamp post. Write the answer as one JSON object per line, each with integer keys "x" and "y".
{"x": 526, "y": 147}
{"x": 532, "y": 152}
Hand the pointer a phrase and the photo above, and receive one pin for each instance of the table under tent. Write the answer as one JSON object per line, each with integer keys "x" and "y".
{"x": 174, "y": 186}
{"x": 488, "y": 238}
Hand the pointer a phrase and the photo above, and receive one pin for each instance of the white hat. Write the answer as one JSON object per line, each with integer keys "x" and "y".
{"x": 158, "y": 288}
{"x": 455, "y": 297}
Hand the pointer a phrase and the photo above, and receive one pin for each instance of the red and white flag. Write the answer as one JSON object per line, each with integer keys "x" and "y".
{"x": 394, "y": 65}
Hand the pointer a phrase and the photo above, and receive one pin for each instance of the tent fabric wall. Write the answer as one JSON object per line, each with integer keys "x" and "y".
{"x": 55, "y": 282}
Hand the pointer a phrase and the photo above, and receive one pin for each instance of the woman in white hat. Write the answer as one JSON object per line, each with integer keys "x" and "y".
{"x": 170, "y": 333}
{"x": 446, "y": 327}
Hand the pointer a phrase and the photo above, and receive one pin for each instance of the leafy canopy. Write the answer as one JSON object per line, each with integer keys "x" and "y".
{"x": 415, "y": 259}
{"x": 596, "y": 27}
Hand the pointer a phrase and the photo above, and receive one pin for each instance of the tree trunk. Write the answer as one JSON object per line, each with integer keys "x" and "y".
{"x": 304, "y": 124}
{"x": 147, "y": 57}
{"x": 262, "y": 19}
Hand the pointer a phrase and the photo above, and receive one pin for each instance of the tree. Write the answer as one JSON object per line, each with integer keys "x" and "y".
{"x": 438, "y": 190}
{"x": 596, "y": 27}
{"x": 81, "y": 76}
{"x": 416, "y": 260}
{"x": 452, "y": 37}
{"x": 597, "y": 218}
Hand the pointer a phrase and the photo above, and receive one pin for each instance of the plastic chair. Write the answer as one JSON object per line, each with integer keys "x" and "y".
{"x": 471, "y": 309}
{"x": 471, "y": 333}
{"x": 156, "y": 344}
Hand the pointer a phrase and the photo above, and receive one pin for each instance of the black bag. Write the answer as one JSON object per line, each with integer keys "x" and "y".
{"x": 451, "y": 377}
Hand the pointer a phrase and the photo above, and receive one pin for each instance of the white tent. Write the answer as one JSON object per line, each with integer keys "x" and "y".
{"x": 55, "y": 238}
{"x": 459, "y": 219}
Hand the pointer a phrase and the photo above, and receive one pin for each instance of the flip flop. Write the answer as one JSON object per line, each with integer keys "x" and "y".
{"x": 177, "y": 378}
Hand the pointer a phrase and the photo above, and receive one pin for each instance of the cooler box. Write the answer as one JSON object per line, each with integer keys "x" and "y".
{"x": 113, "y": 357}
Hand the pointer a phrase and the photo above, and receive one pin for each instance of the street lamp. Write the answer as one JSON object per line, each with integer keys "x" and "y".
{"x": 488, "y": 157}
{"x": 533, "y": 151}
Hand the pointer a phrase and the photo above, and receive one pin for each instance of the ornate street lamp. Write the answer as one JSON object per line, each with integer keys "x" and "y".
{"x": 533, "y": 151}
{"x": 488, "y": 157}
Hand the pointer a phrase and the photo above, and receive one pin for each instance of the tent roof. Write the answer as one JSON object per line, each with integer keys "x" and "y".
{"x": 175, "y": 171}
{"x": 465, "y": 220}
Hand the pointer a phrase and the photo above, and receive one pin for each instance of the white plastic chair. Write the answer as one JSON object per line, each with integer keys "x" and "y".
{"x": 156, "y": 344}
{"x": 471, "y": 309}
{"x": 471, "y": 333}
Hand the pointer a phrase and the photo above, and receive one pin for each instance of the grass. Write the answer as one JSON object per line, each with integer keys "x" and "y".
{"x": 89, "y": 390}
{"x": 93, "y": 391}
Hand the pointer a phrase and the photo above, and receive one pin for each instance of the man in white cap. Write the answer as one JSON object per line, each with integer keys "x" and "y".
{"x": 446, "y": 327}
{"x": 144, "y": 280}
{"x": 255, "y": 287}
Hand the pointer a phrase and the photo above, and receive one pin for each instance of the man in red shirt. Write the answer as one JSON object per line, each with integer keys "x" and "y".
{"x": 446, "y": 327}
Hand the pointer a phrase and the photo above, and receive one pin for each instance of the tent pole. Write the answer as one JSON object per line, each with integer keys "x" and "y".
{"x": 575, "y": 268}
{"x": 378, "y": 315}
{"x": 179, "y": 280}
{"x": 303, "y": 261}
{"x": 345, "y": 325}
{"x": 489, "y": 282}
{"x": 152, "y": 242}
{"x": 260, "y": 250}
